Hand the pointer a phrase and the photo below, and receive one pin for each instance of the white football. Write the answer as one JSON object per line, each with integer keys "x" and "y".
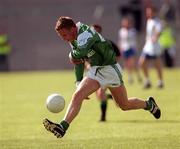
{"x": 55, "y": 103}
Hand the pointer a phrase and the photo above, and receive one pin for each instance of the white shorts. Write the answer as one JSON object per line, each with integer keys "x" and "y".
{"x": 107, "y": 76}
{"x": 153, "y": 49}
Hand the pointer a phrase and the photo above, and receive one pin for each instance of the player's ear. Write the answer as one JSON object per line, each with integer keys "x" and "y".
{"x": 73, "y": 29}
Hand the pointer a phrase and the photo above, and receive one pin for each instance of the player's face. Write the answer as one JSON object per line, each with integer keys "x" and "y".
{"x": 125, "y": 23}
{"x": 68, "y": 34}
{"x": 149, "y": 13}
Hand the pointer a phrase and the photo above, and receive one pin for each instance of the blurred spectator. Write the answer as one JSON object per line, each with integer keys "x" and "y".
{"x": 167, "y": 11}
{"x": 167, "y": 42}
{"x": 5, "y": 49}
{"x": 133, "y": 9}
{"x": 128, "y": 46}
{"x": 152, "y": 50}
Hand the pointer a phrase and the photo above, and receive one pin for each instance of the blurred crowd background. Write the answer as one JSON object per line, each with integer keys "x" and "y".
{"x": 28, "y": 40}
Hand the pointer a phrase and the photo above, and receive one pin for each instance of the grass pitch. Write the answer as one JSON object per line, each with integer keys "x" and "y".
{"x": 22, "y": 108}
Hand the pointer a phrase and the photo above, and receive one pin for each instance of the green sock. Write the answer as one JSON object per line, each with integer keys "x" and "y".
{"x": 103, "y": 107}
{"x": 148, "y": 105}
{"x": 64, "y": 124}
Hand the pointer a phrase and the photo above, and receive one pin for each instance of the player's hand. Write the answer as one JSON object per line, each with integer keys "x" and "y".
{"x": 75, "y": 61}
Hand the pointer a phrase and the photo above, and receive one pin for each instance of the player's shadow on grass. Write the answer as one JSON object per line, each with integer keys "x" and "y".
{"x": 145, "y": 121}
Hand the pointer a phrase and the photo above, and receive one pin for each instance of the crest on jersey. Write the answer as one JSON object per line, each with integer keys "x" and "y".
{"x": 83, "y": 38}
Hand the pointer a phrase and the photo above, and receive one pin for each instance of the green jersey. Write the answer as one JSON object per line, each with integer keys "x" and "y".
{"x": 91, "y": 46}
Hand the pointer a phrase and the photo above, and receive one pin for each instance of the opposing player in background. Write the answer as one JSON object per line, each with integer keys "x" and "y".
{"x": 128, "y": 46}
{"x": 152, "y": 50}
{"x": 88, "y": 45}
{"x": 101, "y": 92}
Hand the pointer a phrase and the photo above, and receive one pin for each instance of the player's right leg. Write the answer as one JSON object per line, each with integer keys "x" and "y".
{"x": 85, "y": 88}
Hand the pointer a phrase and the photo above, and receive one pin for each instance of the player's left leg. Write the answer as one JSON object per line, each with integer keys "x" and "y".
{"x": 85, "y": 88}
{"x": 120, "y": 96}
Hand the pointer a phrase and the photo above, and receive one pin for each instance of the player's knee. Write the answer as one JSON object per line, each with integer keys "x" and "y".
{"x": 124, "y": 107}
{"x": 77, "y": 97}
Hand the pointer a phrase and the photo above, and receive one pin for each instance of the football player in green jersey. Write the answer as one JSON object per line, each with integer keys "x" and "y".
{"x": 89, "y": 45}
